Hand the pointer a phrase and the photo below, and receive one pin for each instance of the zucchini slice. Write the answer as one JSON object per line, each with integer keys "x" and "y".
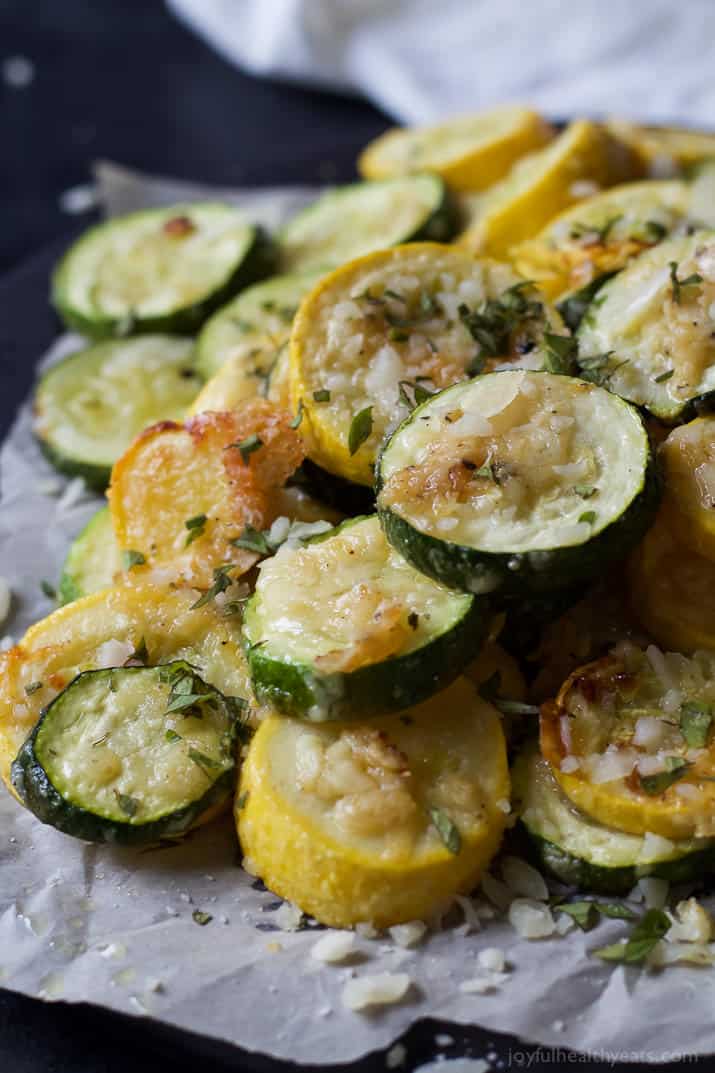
{"x": 129, "y": 755}
{"x": 672, "y": 590}
{"x": 93, "y": 561}
{"x": 382, "y": 822}
{"x": 519, "y": 482}
{"x": 688, "y": 458}
{"x": 470, "y": 152}
{"x": 183, "y": 494}
{"x": 345, "y": 628}
{"x": 629, "y": 739}
{"x": 107, "y": 628}
{"x": 354, "y": 220}
{"x": 159, "y": 270}
{"x": 251, "y": 331}
{"x": 389, "y": 328}
{"x": 90, "y": 406}
{"x": 601, "y": 234}
{"x": 583, "y": 158}
{"x": 583, "y": 853}
{"x": 649, "y": 335}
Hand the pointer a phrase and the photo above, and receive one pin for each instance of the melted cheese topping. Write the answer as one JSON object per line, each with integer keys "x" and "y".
{"x": 91, "y": 405}
{"x": 347, "y": 601}
{"x": 394, "y": 318}
{"x": 662, "y": 338}
{"x": 105, "y": 742}
{"x": 516, "y": 461}
{"x": 152, "y": 263}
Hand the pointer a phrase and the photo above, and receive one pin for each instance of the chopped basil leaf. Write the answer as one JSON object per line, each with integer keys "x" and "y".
{"x": 394, "y": 295}
{"x": 206, "y": 763}
{"x": 695, "y": 722}
{"x": 675, "y": 769}
{"x": 360, "y": 429}
{"x": 447, "y": 831}
{"x": 574, "y": 307}
{"x": 32, "y": 688}
{"x": 585, "y": 914}
{"x": 592, "y": 367}
{"x": 179, "y": 701}
{"x": 253, "y": 540}
{"x": 652, "y": 232}
{"x": 492, "y": 323}
{"x": 322, "y": 395}
{"x": 585, "y": 491}
{"x": 128, "y": 805}
{"x": 615, "y": 910}
{"x": 200, "y": 917}
{"x": 131, "y": 558}
{"x": 172, "y": 736}
{"x": 679, "y": 284}
{"x": 649, "y": 930}
{"x": 241, "y": 800}
{"x": 248, "y": 446}
{"x": 139, "y": 657}
{"x": 588, "y": 517}
{"x": 486, "y": 471}
{"x": 597, "y": 236}
{"x": 221, "y": 582}
{"x": 49, "y": 590}
{"x": 664, "y": 376}
{"x": 412, "y": 393}
{"x": 561, "y": 352}
{"x": 196, "y": 526}
{"x": 295, "y": 423}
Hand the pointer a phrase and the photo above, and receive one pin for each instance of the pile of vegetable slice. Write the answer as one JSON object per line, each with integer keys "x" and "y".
{"x": 416, "y": 491}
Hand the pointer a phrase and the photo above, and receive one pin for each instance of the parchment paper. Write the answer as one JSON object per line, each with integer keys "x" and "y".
{"x": 87, "y": 923}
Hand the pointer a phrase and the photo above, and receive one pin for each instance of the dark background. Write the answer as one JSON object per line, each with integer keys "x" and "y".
{"x": 124, "y": 81}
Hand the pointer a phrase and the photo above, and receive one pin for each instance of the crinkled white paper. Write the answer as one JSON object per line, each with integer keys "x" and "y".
{"x": 93, "y": 924}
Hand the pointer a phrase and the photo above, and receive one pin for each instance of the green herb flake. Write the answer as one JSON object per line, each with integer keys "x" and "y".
{"x": 131, "y": 558}
{"x": 412, "y": 393}
{"x": 664, "y": 376}
{"x": 33, "y": 688}
{"x": 561, "y": 352}
{"x": 584, "y": 913}
{"x": 493, "y": 322}
{"x": 322, "y": 395}
{"x": 695, "y": 723}
{"x": 200, "y": 917}
{"x": 139, "y": 657}
{"x": 48, "y": 589}
{"x": 241, "y": 800}
{"x": 486, "y": 471}
{"x": 679, "y": 284}
{"x": 296, "y": 422}
{"x": 196, "y": 526}
{"x": 595, "y": 236}
{"x": 588, "y": 517}
{"x": 128, "y": 805}
{"x": 206, "y": 763}
{"x": 652, "y": 232}
{"x": 172, "y": 736}
{"x": 221, "y": 582}
{"x": 413, "y": 620}
{"x": 646, "y": 934}
{"x": 446, "y": 829}
{"x": 595, "y": 367}
{"x": 360, "y": 429}
{"x": 253, "y": 540}
{"x": 585, "y": 491}
{"x": 675, "y": 768}
{"x": 394, "y": 295}
{"x": 248, "y": 446}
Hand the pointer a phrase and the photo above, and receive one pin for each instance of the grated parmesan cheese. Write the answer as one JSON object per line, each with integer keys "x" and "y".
{"x": 382, "y": 989}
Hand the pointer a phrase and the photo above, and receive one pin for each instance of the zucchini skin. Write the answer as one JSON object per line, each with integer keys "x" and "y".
{"x": 259, "y": 262}
{"x": 41, "y": 797}
{"x": 574, "y": 306}
{"x": 539, "y": 572}
{"x": 94, "y": 475}
{"x": 577, "y": 872}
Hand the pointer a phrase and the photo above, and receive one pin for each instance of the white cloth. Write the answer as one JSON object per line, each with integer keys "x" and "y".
{"x": 420, "y": 60}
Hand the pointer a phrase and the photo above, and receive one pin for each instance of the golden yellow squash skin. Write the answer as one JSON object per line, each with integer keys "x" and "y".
{"x": 312, "y": 849}
{"x": 688, "y": 458}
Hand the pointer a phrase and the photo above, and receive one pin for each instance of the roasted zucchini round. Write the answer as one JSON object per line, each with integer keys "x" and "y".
{"x": 93, "y": 561}
{"x": 159, "y": 270}
{"x": 383, "y": 821}
{"x": 130, "y": 755}
{"x": 90, "y": 406}
{"x": 629, "y": 740}
{"x": 354, "y": 220}
{"x": 650, "y": 336}
{"x": 688, "y": 458}
{"x": 583, "y": 853}
{"x": 383, "y": 332}
{"x": 517, "y": 482}
{"x": 345, "y": 628}
{"x": 470, "y": 152}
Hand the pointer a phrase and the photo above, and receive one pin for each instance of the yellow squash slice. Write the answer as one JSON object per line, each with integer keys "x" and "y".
{"x": 663, "y": 151}
{"x": 601, "y": 234}
{"x": 103, "y": 630}
{"x": 578, "y": 163}
{"x": 182, "y": 493}
{"x": 470, "y": 152}
{"x": 629, "y": 739}
{"x": 383, "y": 821}
{"x": 389, "y": 328}
{"x": 672, "y": 591}
{"x": 688, "y": 457}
